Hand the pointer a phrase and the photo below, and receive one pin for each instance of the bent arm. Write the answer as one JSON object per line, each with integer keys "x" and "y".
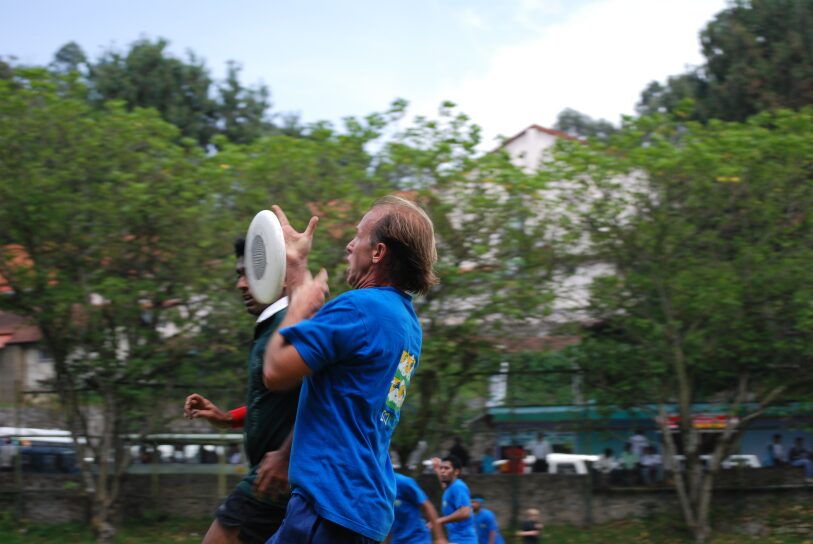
{"x": 461, "y": 514}
{"x": 283, "y": 366}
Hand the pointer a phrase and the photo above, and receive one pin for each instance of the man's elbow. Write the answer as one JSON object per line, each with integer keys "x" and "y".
{"x": 272, "y": 379}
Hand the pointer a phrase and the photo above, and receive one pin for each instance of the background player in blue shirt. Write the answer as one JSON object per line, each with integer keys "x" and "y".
{"x": 456, "y": 508}
{"x": 409, "y": 527}
{"x": 357, "y": 355}
{"x": 485, "y": 523}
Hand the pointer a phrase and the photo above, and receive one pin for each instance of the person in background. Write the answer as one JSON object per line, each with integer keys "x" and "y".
{"x": 540, "y": 449}
{"x": 456, "y": 508}
{"x": 412, "y": 507}
{"x": 605, "y": 465}
{"x": 639, "y": 443}
{"x": 651, "y": 466}
{"x": 799, "y": 456}
{"x": 485, "y": 523}
{"x": 629, "y": 464}
{"x": 530, "y": 528}
{"x": 460, "y": 451}
{"x": 776, "y": 452}
{"x": 487, "y": 463}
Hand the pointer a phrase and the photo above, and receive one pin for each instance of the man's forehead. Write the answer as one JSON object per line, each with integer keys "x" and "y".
{"x": 371, "y": 217}
{"x": 240, "y": 263}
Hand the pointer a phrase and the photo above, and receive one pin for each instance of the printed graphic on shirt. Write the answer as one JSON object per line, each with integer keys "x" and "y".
{"x": 398, "y": 388}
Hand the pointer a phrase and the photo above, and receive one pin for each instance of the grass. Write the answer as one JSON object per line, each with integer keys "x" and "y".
{"x": 777, "y": 524}
{"x": 152, "y": 530}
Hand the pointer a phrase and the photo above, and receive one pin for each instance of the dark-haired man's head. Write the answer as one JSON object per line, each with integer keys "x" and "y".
{"x": 252, "y": 306}
{"x": 450, "y": 469}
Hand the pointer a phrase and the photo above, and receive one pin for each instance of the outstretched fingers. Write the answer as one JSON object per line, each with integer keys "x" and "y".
{"x": 311, "y": 228}
{"x": 283, "y": 219}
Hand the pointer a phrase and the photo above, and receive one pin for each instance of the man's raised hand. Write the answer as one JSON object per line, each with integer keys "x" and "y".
{"x": 297, "y": 244}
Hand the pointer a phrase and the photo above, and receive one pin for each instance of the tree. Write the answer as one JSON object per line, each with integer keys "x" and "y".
{"x": 182, "y": 91}
{"x": 580, "y": 125}
{"x": 708, "y": 231}
{"x": 147, "y": 77}
{"x": 242, "y": 111}
{"x": 69, "y": 58}
{"x": 116, "y": 224}
{"x": 758, "y": 57}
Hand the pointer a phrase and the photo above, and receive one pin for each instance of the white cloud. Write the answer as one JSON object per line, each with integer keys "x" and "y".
{"x": 531, "y": 13}
{"x": 471, "y": 19}
{"x": 596, "y": 61}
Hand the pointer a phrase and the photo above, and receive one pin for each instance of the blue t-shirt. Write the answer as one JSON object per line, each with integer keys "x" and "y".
{"x": 409, "y": 527}
{"x": 485, "y": 522}
{"x": 363, "y": 348}
{"x": 456, "y": 496}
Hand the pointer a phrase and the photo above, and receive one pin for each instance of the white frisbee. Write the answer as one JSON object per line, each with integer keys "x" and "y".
{"x": 265, "y": 257}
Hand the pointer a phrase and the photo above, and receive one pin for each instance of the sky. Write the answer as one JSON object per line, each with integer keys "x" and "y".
{"x": 507, "y": 63}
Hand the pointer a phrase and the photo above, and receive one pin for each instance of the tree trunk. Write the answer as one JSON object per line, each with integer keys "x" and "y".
{"x": 106, "y": 478}
{"x": 103, "y": 529}
{"x": 693, "y": 485}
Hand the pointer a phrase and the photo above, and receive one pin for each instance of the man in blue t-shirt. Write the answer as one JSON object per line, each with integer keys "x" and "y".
{"x": 456, "y": 508}
{"x": 485, "y": 523}
{"x": 409, "y": 527}
{"x": 355, "y": 357}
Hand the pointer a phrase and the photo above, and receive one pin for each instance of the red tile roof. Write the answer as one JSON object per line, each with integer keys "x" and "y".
{"x": 552, "y": 132}
{"x": 15, "y": 329}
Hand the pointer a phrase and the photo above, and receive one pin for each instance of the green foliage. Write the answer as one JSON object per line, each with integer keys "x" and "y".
{"x": 580, "y": 125}
{"x": 708, "y": 230}
{"x": 758, "y": 57}
{"x": 708, "y": 235}
{"x": 107, "y": 226}
{"x": 182, "y": 91}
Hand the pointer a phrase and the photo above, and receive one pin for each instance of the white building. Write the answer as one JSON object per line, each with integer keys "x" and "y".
{"x": 528, "y": 149}
{"x": 24, "y": 363}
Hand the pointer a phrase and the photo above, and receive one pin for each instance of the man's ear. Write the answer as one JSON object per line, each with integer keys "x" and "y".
{"x": 379, "y": 252}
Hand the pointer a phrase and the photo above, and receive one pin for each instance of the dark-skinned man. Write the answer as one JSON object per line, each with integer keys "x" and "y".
{"x": 255, "y": 509}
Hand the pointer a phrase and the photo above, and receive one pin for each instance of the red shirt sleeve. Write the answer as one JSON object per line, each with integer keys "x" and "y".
{"x": 238, "y": 416}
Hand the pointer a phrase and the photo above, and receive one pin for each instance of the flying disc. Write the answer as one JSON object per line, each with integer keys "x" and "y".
{"x": 265, "y": 257}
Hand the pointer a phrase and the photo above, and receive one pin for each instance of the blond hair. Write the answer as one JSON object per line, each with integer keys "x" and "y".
{"x": 409, "y": 235}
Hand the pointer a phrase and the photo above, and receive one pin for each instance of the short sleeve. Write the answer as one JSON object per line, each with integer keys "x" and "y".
{"x": 459, "y": 498}
{"x": 337, "y": 332}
